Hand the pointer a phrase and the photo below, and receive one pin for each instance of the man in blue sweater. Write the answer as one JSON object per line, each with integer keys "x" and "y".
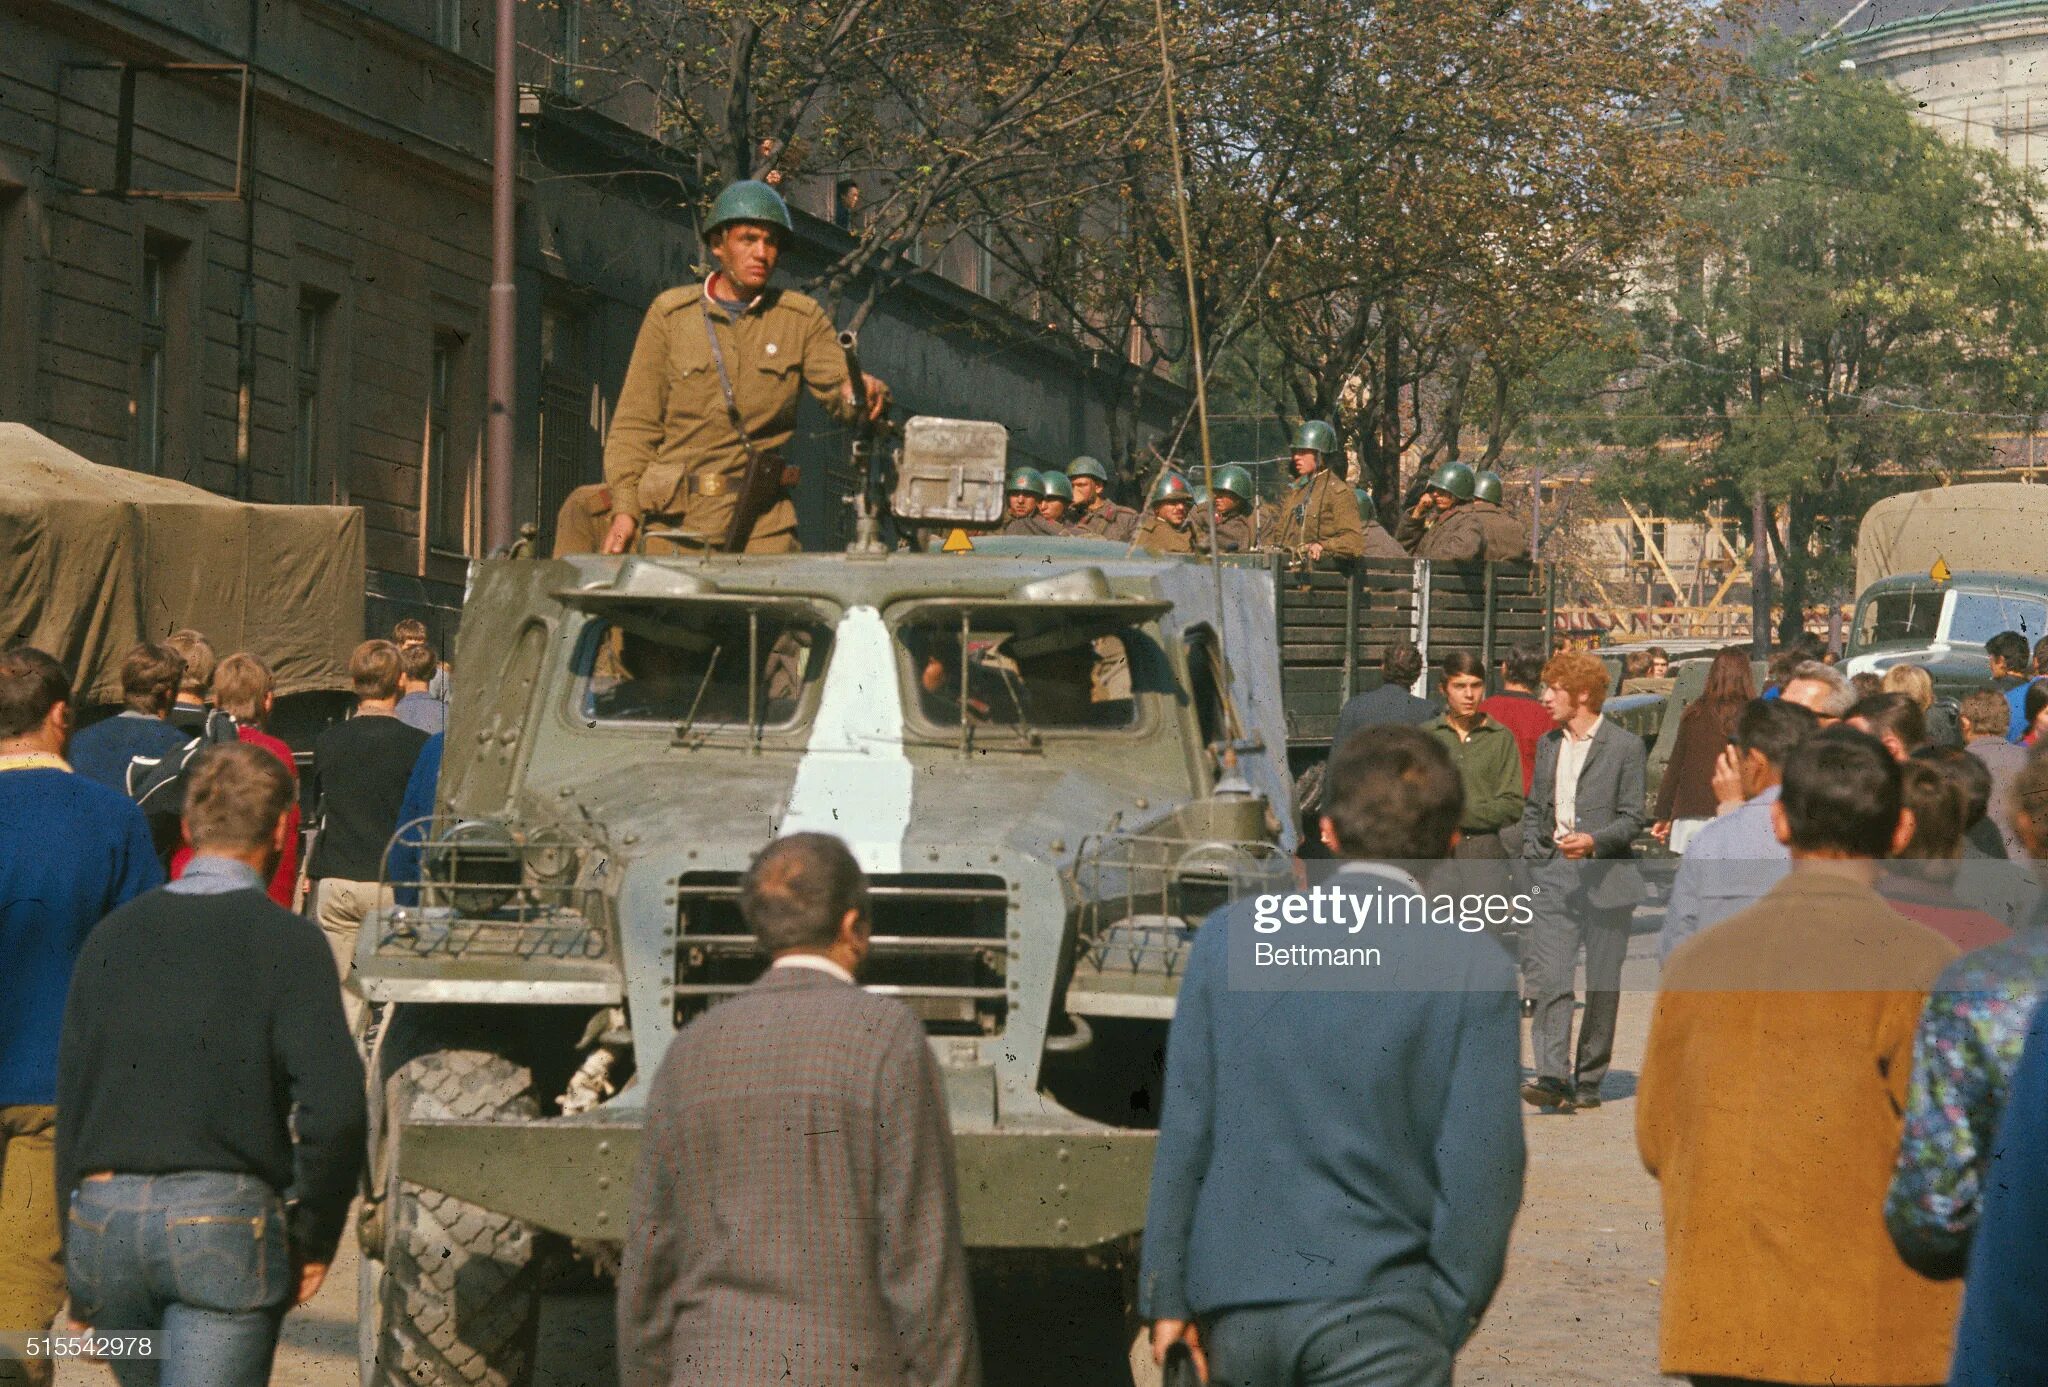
{"x": 1339, "y": 1162}
{"x": 70, "y": 851}
{"x": 149, "y": 686}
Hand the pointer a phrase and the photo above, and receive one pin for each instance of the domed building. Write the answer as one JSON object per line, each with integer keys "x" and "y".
{"x": 1979, "y": 67}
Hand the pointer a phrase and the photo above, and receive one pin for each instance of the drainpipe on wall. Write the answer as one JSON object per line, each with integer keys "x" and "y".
{"x": 245, "y": 306}
{"x": 497, "y": 489}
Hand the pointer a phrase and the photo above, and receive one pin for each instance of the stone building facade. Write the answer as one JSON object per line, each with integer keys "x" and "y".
{"x": 247, "y": 246}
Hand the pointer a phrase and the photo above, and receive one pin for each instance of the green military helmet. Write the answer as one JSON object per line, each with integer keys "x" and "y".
{"x": 748, "y": 200}
{"x": 1315, "y": 436}
{"x": 1171, "y": 486}
{"x": 1486, "y": 487}
{"x": 1025, "y": 479}
{"x": 1085, "y": 466}
{"x": 1367, "y": 512}
{"x": 1233, "y": 480}
{"x": 1453, "y": 478}
{"x": 1057, "y": 486}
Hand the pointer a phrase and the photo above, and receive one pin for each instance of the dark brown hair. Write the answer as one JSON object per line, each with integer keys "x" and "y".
{"x": 1391, "y": 794}
{"x": 799, "y": 889}
{"x": 31, "y": 684}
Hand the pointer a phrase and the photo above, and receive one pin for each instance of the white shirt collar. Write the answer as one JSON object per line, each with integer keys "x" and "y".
{"x": 1591, "y": 732}
{"x": 816, "y": 962}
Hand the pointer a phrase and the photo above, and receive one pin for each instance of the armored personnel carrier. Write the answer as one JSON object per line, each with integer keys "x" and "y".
{"x": 1052, "y": 759}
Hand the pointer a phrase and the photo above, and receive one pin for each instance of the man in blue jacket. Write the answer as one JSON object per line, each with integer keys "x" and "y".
{"x": 1340, "y": 1148}
{"x": 70, "y": 851}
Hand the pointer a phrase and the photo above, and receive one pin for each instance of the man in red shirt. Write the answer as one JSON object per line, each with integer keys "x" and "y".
{"x": 1517, "y": 707}
{"x": 244, "y": 689}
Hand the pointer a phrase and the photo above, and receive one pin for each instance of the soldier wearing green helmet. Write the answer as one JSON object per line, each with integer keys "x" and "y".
{"x": 1165, "y": 530}
{"x": 1442, "y": 525}
{"x": 710, "y": 396}
{"x": 1093, "y": 514}
{"x": 1022, "y": 493}
{"x": 1507, "y": 539}
{"x": 1233, "y": 512}
{"x": 1059, "y": 495}
{"x": 1318, "y": 516}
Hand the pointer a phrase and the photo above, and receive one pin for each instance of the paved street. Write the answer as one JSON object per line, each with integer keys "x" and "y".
{"x": 1579, "y": 1303}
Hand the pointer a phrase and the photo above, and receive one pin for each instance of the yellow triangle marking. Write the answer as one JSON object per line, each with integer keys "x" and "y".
{"x": 958, "y": 543}
{"x": 1939, "y": 573}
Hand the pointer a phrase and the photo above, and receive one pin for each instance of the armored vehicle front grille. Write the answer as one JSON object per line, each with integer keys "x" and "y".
{"x": 939, "y": 942}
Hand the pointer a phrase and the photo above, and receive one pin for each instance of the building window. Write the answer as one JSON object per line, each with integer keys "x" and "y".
{"x": 564, "y": 424}
{"x": 152, "y": 390}
{"x": 447, "y": 466}
{"x": 448, "y": 24}
{"x": 311, "y": 467}
{"x": 569, "y": 51}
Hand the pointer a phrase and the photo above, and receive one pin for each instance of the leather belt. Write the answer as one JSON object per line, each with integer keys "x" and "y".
{"x": 718, "y": 484}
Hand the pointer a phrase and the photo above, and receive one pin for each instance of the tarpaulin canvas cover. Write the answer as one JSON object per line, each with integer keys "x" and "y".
{"x": 94, "y": 559}
{"x": 1996, "y": 527}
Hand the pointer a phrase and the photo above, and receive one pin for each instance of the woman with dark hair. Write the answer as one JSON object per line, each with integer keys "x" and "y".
{"x": 1685, "y": 798}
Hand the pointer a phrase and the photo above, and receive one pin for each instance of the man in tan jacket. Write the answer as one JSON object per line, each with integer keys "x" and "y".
{"x": 1318, "y": 514}
{"x": 711, "y": 395}
{"x": 1770, "y": 1098}
{"x": 1165, "y": 530}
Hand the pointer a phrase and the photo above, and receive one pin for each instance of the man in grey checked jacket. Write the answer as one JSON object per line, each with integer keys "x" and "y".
{"x": 794, "y": 1218}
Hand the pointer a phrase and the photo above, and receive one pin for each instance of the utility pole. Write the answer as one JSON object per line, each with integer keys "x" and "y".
{"x": 497, "y": 499}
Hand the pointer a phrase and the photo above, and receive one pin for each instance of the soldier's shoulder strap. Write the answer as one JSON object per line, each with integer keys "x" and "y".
{"x": 681, "y": 297}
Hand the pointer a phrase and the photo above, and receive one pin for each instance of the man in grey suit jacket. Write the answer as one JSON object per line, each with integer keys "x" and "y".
{"x": 1584, "y": 809}
{"x": 794, "y": 1217}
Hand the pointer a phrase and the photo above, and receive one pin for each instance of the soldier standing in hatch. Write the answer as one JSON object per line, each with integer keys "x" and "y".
{"x": 710, "y": 396}
{"x": 1165, "y": 528}
{"x": 1232, "y": 512}
{"x": 1507, "y": 539}
{"x": 1022, "y": 494}
{"x": 1318, "y": 514}
{"x": 1094, "y": 515}
{"x": 1442, "y": 526}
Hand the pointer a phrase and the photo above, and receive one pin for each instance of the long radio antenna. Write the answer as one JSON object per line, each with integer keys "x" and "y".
{"x": 1187, "y": 263}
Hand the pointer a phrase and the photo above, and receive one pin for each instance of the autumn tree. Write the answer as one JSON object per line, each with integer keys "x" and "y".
{"x": 1435, "y": 193}
{"x": 1874, "y": 304}
{"x": 942, "y": 109}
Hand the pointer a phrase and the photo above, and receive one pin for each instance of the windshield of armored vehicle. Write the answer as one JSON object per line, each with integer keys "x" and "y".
{"x": 700, "y": 669}
{"x": 1074, "y": 679}
{"x": 1981, "y": 615}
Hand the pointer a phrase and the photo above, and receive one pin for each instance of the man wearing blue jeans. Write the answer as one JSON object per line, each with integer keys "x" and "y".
{"x": 204, "y": 1071}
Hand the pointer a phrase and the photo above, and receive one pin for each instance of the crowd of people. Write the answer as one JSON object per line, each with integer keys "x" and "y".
{"x": 1843, "y": 1098}
{"x": 177, "y": 1053}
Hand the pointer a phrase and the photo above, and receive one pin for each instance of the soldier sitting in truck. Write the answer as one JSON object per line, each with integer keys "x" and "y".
{"x": 1164, "y": 529}
{"x": 1076, "y": 683}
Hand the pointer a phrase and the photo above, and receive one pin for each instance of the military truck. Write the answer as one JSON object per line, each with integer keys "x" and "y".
{"x": 1052, "y": 759}
{"x": 1941, "y": 571}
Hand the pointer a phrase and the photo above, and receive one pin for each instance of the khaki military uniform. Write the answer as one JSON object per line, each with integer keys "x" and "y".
{"x": 1155, "y": 534}
{"x": 1507, "y": 539}
{"x": 1241, "y": 532}
{"x": 1105, "y": 520}
{"x": 1454, "y": 537}
{"x": 673, "y": 458}
{"x": 581, "y": 523}
{"x": 1320, "y": 509}
{"x": 1034, "y": 525}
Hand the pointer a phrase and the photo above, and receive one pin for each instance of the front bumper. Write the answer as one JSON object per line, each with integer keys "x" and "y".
{"x": 1052, "y": 1189}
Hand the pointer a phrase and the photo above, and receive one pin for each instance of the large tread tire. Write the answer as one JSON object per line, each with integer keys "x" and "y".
{"x": 460, "y": 1293}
